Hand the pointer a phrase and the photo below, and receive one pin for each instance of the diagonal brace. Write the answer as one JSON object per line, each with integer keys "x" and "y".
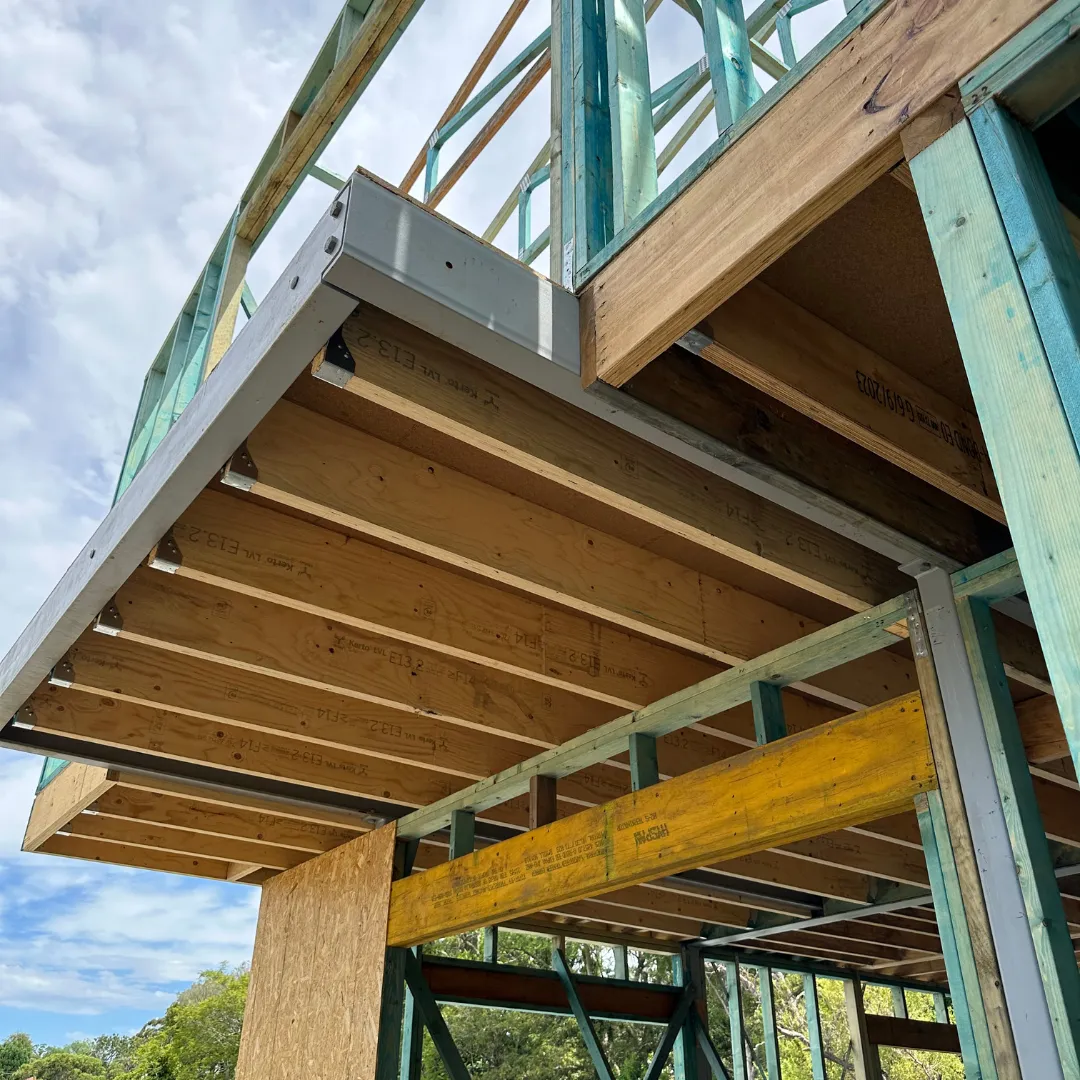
{"x": 588, "y": 1032}
{"x": 432, "y": 1016}
{"x": 671, "y": 1032}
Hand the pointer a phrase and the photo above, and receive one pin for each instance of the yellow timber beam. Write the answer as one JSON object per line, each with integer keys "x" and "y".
{"x": 848, "y": 771}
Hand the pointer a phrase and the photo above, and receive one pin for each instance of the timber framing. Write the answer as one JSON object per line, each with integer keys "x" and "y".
{"x": 357, "y": 619}
{"x": 680, "y": 613}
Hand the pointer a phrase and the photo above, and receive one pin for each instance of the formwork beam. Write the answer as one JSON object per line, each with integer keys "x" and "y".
{"x": 788, "y": 790}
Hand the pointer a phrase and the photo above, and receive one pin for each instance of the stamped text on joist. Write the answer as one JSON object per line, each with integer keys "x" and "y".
{"x": 848, "y": 771}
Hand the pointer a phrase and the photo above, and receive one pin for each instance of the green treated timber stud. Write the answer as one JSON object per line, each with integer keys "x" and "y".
{"x": 688, "y": 971}
{"x": 162, "y": 419}
{"x": 633, "y": 147}
{"x": 1031, "y": 444}
{"x": 1031, "y": 853}
{"x": 491, "y": 944}
{"x": 431, "y": 169}
{"x": 622, "y": 964}
{"x": 565, "y": 265}
{"x": 899, "y": 1002}
{"x": 1049, "y": 40}
{"x": 585, "y": 1026}
{"x": 768, "y": 704}
{"x": 1044, "y": 251}
{"x": 412, "y": 1036}
{"x": 248, "y": 301}
{"x": 524, "y": 221}
{"x": 941, "y": 1009}
{"x": 974, "y": 1033}
{"x": 644, "y": 770}
{"x": 727, "y": 45}
{"x": 588, "y": 267}
{"x": 537, "y": 246}
{"x": 735, "y": 1021}
{"x": 672, "y": 86}
{"x": 813, "y": 1027}
{"x": 768, "y": 1024}
{"x": 592, "y": 178}
{"x": 678, "y": 101}
{"x": 491, "y": 88}
{"x": 787, "y": 44}
{"x": 433, "y": 1018}
{"x": 462, "y": 833}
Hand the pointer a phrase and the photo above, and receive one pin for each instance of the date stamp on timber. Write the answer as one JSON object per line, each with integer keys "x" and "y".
{"x": 539, "y": 860}
{"x": 914, "y": 413}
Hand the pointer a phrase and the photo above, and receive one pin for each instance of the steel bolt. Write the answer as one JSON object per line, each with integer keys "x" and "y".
{"x": 330, "y": 245}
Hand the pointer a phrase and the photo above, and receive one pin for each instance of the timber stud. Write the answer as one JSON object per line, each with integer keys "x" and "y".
{"x": 240, "y": 470}
{"x": 109, "y": 621}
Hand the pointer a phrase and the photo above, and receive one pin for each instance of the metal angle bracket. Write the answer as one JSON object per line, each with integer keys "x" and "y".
{"x": 240, "y": 470}
{"x": 337, "y": 366}
{"x": 63, "y": 673}
{"x": 166, "y": 554}
{"x": 24, "y": 716}
{"x": 109, "y": 620}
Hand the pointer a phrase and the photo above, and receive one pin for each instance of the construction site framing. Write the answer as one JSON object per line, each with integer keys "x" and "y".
{"x": 716, "y": 593}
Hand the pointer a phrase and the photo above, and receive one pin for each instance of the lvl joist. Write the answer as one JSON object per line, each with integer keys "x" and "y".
{"x": 785, "y": 351}
{"x": 824, "y": 141}
{"x": 853, "y": 769}
{"x": 541, "y": 444}
{"x": 69, "y": 792}
{"x": 411, "y": 387}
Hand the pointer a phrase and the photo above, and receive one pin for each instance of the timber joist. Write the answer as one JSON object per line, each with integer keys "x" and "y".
{"x": 417, "y": 574}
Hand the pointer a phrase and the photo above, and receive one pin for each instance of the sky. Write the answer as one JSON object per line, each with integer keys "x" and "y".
{"x": 127, "y": 132}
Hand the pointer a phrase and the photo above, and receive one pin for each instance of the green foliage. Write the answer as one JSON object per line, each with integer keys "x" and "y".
{"x": 15, "y": 1051}
{"x": 62, "y": 1065}
{"x": 198, "y": 1038}
{"x": 504, "y": 1044}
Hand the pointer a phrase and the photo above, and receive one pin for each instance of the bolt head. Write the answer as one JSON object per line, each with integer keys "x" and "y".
{"x": 295, "y": 281}
{"x": 331, "y": 245}
{"x": 335, "y": 210}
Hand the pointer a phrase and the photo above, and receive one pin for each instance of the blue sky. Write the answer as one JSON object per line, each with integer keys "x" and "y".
{"x": 127, "y": 131}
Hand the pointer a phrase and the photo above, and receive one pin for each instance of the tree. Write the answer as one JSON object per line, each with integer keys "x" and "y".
{"x": 199, "y": 1036}
{"x": 62, "y": 1065}
{"x": 15, "y": 1051}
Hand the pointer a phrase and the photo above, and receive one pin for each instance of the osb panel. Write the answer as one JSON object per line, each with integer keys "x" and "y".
{"x": 869, "y": 271}
{"x": 70, "y": 792}
{"x": 316, "y": 976}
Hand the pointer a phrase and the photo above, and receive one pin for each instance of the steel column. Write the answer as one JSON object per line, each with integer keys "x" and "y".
{"x": 1033, "y": 1032}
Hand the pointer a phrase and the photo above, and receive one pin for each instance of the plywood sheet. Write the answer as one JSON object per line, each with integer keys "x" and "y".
{"x": 317, "y": 973}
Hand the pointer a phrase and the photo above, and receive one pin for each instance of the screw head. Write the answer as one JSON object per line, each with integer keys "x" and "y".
{"x": 330, "y": 245}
